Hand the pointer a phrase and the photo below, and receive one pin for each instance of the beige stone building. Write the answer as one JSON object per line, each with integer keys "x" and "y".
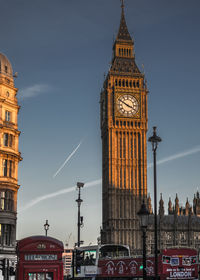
{"x": 67, "y": 261}
{"x": 9, "y": 159}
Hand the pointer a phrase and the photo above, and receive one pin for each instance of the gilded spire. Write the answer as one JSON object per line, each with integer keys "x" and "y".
{"x": 123, "y": 33}
{"x": 122, "y": 4}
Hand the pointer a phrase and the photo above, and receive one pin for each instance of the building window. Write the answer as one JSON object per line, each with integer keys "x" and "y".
{"x": 131, "y": 147}
{"x": 120, "y": 148}
{"x": 6, "y": 200}
{"x": 6, "y": 69}
{"x": 3, "y": 200}
{"x": 124, "y": 177}
{"x": 135, "y": 151}
{"x": 8, "y": 168}
{"x": 11, "y": 140}
{"x": 124, "y": 147}
{"x": 5, "y": 234}
{"x": 120, "y": 177}
{"x": 8, "y": 140}
{"x": 8, "y": 116}
{"x": 5, "y": 139}
{"x": 5, "y": 167}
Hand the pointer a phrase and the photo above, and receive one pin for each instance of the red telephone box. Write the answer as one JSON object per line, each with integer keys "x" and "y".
{"x": 39, "y": 258}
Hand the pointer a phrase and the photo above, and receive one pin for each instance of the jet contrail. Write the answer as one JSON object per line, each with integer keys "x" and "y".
{"x": 68, "y": 158}
{"x": 63, "y": 191}
{"x": 96, "y": 182}
{"x": 176, "y": 156}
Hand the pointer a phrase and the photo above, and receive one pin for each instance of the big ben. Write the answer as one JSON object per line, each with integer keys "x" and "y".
{"x": 123, "y": 131}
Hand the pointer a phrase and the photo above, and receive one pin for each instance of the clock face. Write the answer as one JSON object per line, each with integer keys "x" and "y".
{"x": 127, "y": 105}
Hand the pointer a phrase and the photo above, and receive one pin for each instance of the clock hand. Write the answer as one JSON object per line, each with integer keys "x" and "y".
{"x": 126, "y": 104}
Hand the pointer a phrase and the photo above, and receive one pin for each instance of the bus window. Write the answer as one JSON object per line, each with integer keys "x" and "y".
{"x": 90, "y": 257}
{"x": 166, "y": 259}
{"x": 186, "y": 261}
{"x": 174, "y": 261}
{"x": 114, "y": 251}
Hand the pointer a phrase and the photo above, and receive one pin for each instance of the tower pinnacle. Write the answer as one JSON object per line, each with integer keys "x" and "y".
{"x": 122, "y": 1}
{"x": 123, "y": 33}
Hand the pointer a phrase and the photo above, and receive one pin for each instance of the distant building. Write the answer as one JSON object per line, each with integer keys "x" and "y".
{"x": 67, "y": 261}
{"x": 180, "y": 228}
{"x": 9, "y": 160}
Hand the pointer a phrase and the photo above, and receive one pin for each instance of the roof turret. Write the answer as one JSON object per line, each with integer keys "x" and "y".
{"x": 5, "y": 66}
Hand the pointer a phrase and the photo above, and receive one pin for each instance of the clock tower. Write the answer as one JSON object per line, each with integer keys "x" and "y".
{"x": 124, "y": 156}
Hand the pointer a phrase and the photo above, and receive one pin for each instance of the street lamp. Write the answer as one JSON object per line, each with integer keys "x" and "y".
{"x": 144, "y": 219}
{"x": 46, "y": 227}
{"x": 155, "y": 139}
{"x": 80, "y": 218}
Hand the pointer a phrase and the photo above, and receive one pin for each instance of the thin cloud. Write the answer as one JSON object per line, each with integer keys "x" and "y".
{"x": 68, "y": 158}
{"x": 33, "y": 91}
{"x": 177, "y": 156}
{"x": 54, "y": 194}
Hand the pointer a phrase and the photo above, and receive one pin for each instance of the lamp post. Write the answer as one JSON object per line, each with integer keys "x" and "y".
{"x": 46, "y": 227}
{"x": 80, "y": 218}
{"x": 155, "y": 139}
{"x": 144, "y": 218}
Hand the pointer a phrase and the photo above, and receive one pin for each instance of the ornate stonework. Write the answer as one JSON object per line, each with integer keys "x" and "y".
{"x": 123, "y": 130}
{"x": 180, "y": 228}
{"x": 9, "y": 158}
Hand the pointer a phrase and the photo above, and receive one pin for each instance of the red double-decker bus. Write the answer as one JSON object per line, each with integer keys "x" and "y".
{"x": 114, "y": 261}
{"x": 174, "y": 263}
{"x": 179, "y": 263}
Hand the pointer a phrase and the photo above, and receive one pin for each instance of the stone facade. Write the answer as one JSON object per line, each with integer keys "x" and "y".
{"x": 9, "y": 159}
{"x": 123, "y": 131}
{"x": 180, "y": 228}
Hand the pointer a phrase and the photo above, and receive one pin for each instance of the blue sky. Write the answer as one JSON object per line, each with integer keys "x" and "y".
{"x": 61, "y": 50}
